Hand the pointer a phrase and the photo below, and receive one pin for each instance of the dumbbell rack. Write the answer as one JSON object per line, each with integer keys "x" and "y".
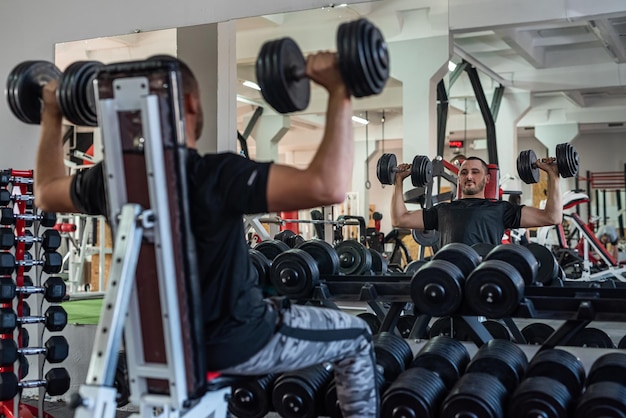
{"x": 19, "y": 183}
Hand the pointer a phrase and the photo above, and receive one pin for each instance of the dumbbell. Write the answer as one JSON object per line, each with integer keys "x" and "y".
{"x": 296, "y": 272}
{"x": 252, "y": 398}
{"x": 55, "y": 350}
{"x": 51, "y": 264}
{"x": 437, "y": 286}
{"x": 7, "y": 177}
{"x": 6, "y": 198}
{"x": 53, "y": 289}
{"x": 421, "y": 170}
{"x": 496, "y": 287}
{"x": 75, "y": 92}
{"x": 566, "y": 160}
{"x": 553, "y": 380}
{"x": 299, "y": 393}
{"x": 354, "y": 258}
{"x": 363, "y": 62}
{"x": 289, "y": 237}
{"x": 493, "y": 373}
{"x": 393, "y": 357}
{"x": 54, "y": 319}
{"x": 419, "y": 390}
{"x": 605, "y": 393}
{"x": 8, "y": 217}
{"x": 50, "y": 239}
{"x": 56, "y": 381}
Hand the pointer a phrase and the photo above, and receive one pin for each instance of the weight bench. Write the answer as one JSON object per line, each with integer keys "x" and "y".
{"x": 153, "y": 292}
{"x": 614, "y": 268}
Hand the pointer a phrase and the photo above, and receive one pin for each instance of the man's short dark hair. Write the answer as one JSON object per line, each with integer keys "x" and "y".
{"x": 481, "y": 160}
{"x": 190, "y": 84}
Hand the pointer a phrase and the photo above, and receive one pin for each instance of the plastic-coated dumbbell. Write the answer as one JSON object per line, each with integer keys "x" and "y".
{"x": 53, "y": 289}
{"x": 52, "y": 263}
{"x": 56, "y": 382}
{"x": 54, "y": 319}
{"x": 50, "y": 239}
{"x": 6, "y": 198}
{"x": 8, "y": 217}
{"x": 55, "y": 350}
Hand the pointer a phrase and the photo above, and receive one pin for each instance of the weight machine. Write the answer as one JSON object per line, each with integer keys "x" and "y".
{"x": 140, "y": 112}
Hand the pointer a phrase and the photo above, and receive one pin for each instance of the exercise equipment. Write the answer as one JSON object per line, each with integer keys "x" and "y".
{"x": 537, "y": 333}
{"x": 566, "y": 159}
{"x": 6, "y": 198}
{"x": 496, "y": 287}
{"x": 50, "y": 239}
{"x": 296, "y": 272}
{"x": 289, "y": 237}
{"x": 437, "y": 287}
{"x": 605, "y": 393}
{"x": 75, "y": 94}
{"x": 8, "y": 217}
{"x": 591, "y": 337}
{"x": 54, "y": 319}
{"x": 299, "y": 394}
{"x": 51, "y": 263}
{"x": 363, "y": 62}
{"x": 56, "y": 382}
{"x": 421, "y": 170}
{"x": 548, "y": 265}
{"x": 252, "y": 398}
{"x": 419, "y": 390}
{"x": 354, "y": 258}
{"x": 55, "y": 350}
{"x": 53, "y": 289}
{"x": 271, "y": 248}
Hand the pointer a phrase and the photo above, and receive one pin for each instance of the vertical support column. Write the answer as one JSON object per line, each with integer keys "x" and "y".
{"x": 268, "y": 132}
{"x": 512, "y": 108}
{"x": 420, "y": 64}
{"x": 210, "y": 52}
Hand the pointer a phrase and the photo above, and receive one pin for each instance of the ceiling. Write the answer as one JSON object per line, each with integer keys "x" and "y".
{"x": 573, "y": 68}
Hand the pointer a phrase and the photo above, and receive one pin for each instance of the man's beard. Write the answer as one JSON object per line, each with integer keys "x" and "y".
{"x": 474, "y": 190}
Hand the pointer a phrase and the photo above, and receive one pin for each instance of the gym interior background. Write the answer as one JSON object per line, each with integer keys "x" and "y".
{"x": 562, "y": 67}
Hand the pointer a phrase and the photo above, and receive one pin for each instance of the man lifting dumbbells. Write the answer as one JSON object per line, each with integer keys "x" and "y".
{"x": 245, "y": 334}
{"x": 474, "y": 219}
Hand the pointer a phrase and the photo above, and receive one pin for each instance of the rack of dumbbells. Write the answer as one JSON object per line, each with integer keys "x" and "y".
{"x": 474, "y": 293}
{"x": 28, "y": 245}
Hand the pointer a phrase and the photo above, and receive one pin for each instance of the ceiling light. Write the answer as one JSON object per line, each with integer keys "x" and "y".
{"x": 251, "y": 85}
{"x": 360, "y": 120}
{"x": 451, "y": 66}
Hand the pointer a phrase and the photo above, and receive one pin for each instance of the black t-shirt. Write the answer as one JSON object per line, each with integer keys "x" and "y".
{"x": 472, "y": 221}
{"x": 222, "y": 188}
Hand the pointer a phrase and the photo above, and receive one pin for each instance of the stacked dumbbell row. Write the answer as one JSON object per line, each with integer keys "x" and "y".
{"x": 17, "y": 213}
{"x": 294, "y": 272}
{"x": 441, "y": 380}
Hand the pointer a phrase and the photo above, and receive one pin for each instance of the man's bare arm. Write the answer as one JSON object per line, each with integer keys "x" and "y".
{"x": 552, "y": 214}
{"x": 52, "y": 183}
{"x": 401, "y": 217}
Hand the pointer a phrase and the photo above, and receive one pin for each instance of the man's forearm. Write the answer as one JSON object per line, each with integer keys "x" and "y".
{"x": 49, "y": 162}
{"x": 554, "y": 203}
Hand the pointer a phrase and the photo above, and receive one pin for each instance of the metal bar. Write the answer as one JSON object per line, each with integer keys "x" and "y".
{"x": 588, "y": 194}
{"x": 442, "y": 116}
{"x": 454, "y": 75}
{"x": 253, "y": 120}
{"x": 620, "y": 217}
{"x": 496, "y": 100}
{"x": 490, "y": 127}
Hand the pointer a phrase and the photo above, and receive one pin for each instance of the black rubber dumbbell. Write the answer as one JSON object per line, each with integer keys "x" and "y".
{"x": 437, "y": 287}
{"x": 419, "y": 390}
{"x": 7, "y": 177}
{"x": 6, "y": 198}
{"x": 552, "y": 383}
{"x": 8, "y": 217}
{"x": 50, "y": 239}
{"x": 252, "y": 398}
{"x": 51, "y": 263}
{"x": 53, "y": 289}
{"x": 55, "y": 350}
{"x": 56, "y": 382}
{"x": 605, "y": 393}
{"x": 54, "y": 319}
{"x": 299, "y": 393}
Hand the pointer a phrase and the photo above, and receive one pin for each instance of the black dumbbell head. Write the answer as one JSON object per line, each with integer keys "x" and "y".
{"x": 7, "y": 289}
{"x": 55, "y": 318}
{"x": 57, "y": 349}
{"x": 54, "y": 289}
{"x": 57, "y": 381}
{"x": 50, "y": 240}
{"x": 8, "y": 352}
{"x": 23, "y": 89}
